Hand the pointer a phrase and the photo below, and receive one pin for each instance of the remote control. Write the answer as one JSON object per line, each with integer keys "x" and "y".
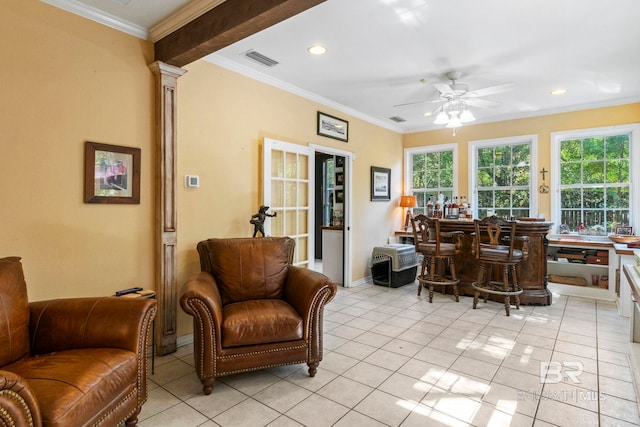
{"x": 127, "y": 291}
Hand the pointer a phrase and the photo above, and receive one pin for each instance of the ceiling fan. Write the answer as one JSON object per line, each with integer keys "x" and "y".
{"x": 456, "y": 98}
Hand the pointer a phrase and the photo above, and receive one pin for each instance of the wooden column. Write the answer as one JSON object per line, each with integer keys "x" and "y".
{"x": 165, "y": 205}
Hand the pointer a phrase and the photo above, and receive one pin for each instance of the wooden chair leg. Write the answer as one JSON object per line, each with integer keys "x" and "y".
{"x": 422, "y": 270}
{"x": 479, "y": 282}
{"x": 506, "y": 287}
{"x": 454, "y": 277}
{"x": 432, "y": 275}
{"x": 516, "y": 285}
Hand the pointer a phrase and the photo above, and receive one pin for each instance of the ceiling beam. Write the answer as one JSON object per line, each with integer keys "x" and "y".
{"x": 223, "y": 25}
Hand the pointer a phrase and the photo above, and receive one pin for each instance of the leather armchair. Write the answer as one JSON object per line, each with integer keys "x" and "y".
{"x": 70, "y": 362}
{"x": 252, "y": 309}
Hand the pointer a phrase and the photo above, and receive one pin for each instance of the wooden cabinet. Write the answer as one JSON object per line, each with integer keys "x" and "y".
{"x": 592, "y": 264}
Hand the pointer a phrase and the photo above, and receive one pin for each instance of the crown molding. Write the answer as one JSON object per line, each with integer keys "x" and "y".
{"x": 182, "y": 17}
{"x": 264, "y": 78}
{"x": 100, "y": 17}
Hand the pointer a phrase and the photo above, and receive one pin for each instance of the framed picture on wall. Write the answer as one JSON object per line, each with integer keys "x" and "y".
{"x": 339, "y": 178}
{"x": 333, "y": 127}
{"x": 111, "y": 174}
{"x": 380, "y": 183}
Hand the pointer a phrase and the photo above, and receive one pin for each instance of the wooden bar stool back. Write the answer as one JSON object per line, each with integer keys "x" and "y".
{"x": 438, "y": 251}
{"x": 494, "y": 248}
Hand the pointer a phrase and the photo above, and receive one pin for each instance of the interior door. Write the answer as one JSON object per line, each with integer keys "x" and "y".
{"x": 287, "y": 169}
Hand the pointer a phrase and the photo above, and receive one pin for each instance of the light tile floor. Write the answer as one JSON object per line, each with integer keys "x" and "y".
{"x": 393, "y": 359}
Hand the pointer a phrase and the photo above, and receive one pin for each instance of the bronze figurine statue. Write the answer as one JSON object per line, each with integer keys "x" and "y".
{"x": 258, "y": 220}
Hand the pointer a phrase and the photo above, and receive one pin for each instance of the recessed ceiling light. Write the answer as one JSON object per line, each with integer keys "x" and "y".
{"x": 558, "y": 91}
{"x": 428, "y": 113}
{"x": 317, "y": 49}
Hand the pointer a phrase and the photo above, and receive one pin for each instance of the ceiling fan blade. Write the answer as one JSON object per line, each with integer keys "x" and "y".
{"x": 480, "y": 103}
{"x": 489, "y": 90}
{"x": 417, "y": 102}
{"x": 443, "y": 88}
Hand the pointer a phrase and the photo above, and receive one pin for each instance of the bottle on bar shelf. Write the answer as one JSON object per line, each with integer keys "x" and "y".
{"x": 430, "y": 206}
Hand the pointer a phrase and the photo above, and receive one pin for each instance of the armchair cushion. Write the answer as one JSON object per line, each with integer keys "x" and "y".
{"x": 14, "y": 306}
{"x": 71, "y": 384}
{"x": 259, "y": 322}
{"x": 264, "y": 264}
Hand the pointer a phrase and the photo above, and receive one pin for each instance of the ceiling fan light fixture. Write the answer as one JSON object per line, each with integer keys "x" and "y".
{"x": 441, "y": 118}
{"x": 466, "y": 116}
{"x": 454, "y": 122}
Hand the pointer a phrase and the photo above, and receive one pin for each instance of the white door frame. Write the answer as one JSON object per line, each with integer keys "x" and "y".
{"x": 349, "y": 157}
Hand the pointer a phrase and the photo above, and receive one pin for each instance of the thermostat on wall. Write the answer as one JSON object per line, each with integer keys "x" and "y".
{"x": 192, "y": 181}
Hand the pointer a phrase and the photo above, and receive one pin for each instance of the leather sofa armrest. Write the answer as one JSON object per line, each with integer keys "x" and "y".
{"x": 18, "y": 405}
{"x": 200, "y": 293}
{"x": 75, "y": 323}
{"x": 303, "y": 288}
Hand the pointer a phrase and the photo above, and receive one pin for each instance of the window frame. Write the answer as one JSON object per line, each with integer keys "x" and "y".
{"x": 474, "y": 146}
{"x": 633, "y": 130}
{"x": 408, "y": 165}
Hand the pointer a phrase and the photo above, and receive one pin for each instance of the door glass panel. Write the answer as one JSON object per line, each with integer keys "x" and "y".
{"x": 303, "y": 221}
{"x": 290, "y": 223}
{"x": 277, "y": 164}
{"x": 291, "y": 194}
{"x": 303, "y": 198}
{"x": 292, "y": 165}
{"x": 277, "y": 223}
{"x": 303, "y": 166}
{"x": 277, "y": 191}
{"x": 301, "y": 249}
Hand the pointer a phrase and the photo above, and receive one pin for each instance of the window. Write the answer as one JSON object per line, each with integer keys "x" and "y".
{"x": 593, "y": 186}
{"x": 502, "y": 176}
{"x": 431, "y": 170}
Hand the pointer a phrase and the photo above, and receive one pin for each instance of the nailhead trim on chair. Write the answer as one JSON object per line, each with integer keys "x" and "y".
{"x": 321, "y": 298}
{"x": 142, "y": 346}
{"x": 4, "y": 414}
{"x": 191, "y": 303}
{"x": 125, "y": 399}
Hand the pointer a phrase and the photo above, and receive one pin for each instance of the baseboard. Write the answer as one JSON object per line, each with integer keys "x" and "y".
{"x": 184, "y": 340}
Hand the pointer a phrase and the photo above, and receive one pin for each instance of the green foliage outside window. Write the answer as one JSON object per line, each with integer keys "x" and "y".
{"x": 503, "y": 178}
{"x": 432, "y": 173}
{"x": 594, "y": 181}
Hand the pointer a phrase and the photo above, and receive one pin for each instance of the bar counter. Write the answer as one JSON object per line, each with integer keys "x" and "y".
{"x": 532, "y": 272}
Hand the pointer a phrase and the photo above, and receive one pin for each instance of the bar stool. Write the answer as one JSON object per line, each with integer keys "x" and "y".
{"x": 493, "y": 251}
{"x": 437, "y": 255}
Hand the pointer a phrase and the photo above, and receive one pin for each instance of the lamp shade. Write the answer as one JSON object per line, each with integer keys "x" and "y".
{"x": 408, "y": 201}
{"x": 441, "y": 118}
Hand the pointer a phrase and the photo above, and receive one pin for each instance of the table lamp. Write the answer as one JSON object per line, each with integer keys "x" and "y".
{"x": 408, "y": 202}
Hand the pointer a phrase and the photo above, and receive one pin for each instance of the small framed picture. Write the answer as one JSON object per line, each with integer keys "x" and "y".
{"x": 624, "y": 231}
{"x": 339, "y": 178}
{"x": 111, "y": 174}
{"x": 339, "y": 196}
{"x": 380, "y": 183}
{"x": 333, "y": 127}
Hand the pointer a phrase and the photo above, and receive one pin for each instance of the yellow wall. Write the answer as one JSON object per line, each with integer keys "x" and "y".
{"x": 222, "y": 120}
{"x": 542, "y": 126}
{"x": 67, "y": 80}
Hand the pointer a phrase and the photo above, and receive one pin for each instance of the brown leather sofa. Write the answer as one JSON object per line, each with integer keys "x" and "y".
{"x": 252, "y": 309}
{"x": 70, "y": 362}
